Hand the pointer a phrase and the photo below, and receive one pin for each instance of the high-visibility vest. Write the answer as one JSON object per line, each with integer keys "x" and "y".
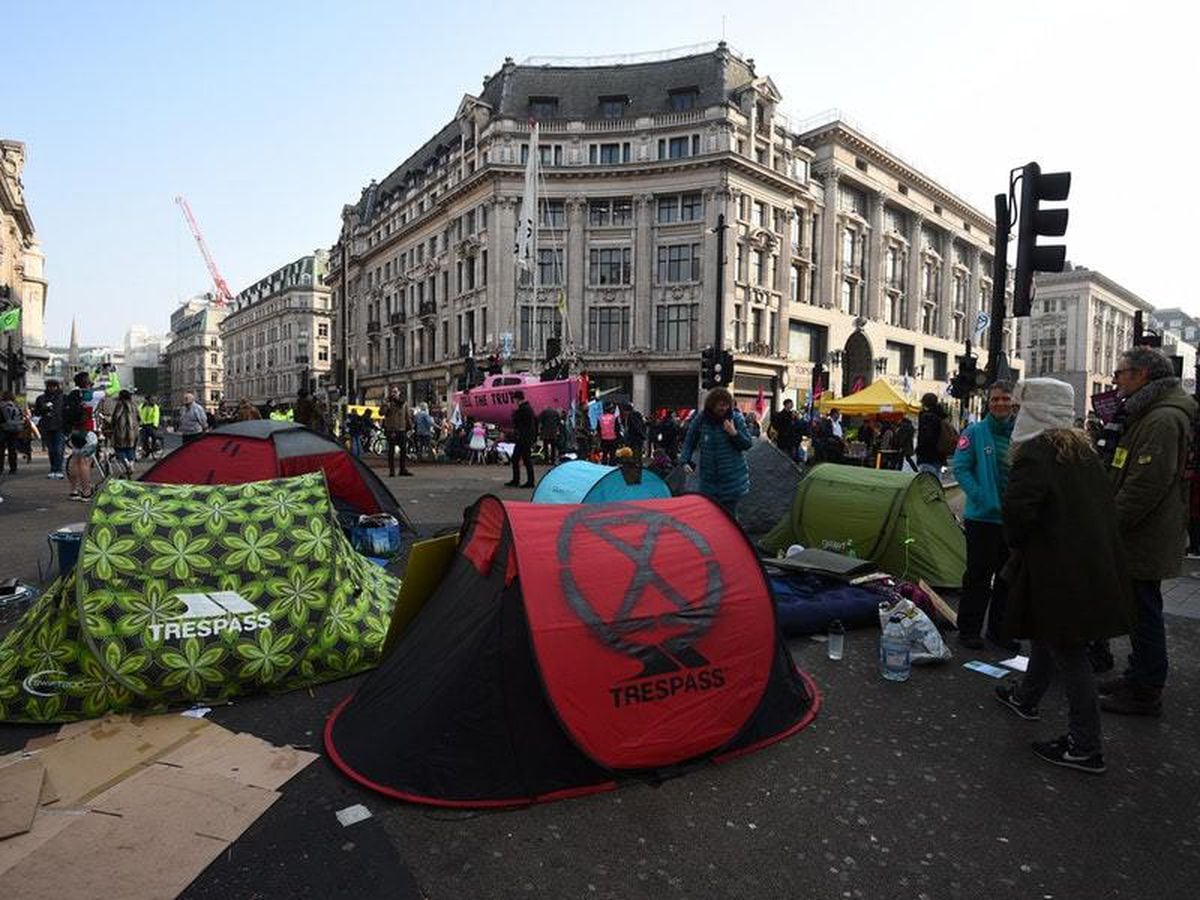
{"x": 149, "y": 415}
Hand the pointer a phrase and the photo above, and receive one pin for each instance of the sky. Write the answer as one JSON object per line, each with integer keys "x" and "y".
{"x": 269, "y": 116}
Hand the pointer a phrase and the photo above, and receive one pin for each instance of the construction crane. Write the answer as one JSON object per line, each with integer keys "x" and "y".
{"x": 224, "y": 296}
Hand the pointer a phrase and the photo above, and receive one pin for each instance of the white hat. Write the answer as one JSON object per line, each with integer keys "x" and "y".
{"x": 1046, "y": 403}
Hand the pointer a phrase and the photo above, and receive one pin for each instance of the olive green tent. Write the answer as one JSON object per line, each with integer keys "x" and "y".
{"x": 189, "y": 594}
{"x": 898, "y": 520}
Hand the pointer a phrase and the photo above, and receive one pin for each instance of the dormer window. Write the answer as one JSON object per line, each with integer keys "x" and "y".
{"x": 543, "y": 107}
{"x": 683, "y": 99}
{"x": 613, "y": 106}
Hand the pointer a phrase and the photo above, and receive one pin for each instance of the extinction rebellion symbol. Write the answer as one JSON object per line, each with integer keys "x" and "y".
{"x": 661, "y": 640}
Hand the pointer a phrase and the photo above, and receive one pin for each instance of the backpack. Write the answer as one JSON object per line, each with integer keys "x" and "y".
{"x": 73, "y": 410}
{"x": 947, "y": 438}
{"x": 11, "y": 419}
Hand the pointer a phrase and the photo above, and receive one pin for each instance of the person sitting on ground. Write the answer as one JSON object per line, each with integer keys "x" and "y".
{"x": 1068, "y": 573}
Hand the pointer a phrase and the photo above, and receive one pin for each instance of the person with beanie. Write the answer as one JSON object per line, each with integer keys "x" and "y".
{"x": 981, "y": 467}
{"x": 1068, "y": 577}
{"x": 1147, "y": 470}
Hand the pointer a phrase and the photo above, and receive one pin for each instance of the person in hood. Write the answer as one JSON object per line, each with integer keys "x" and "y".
{"x": 1147, "y": 472}
{"x": 525, "y": 428}
{"x": 1068, "y": 576}
{"x": 981, "y": 467}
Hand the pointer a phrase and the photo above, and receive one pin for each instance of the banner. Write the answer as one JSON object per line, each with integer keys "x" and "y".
{"x": 526, "y": 227}
{"x": 10, "y": 319}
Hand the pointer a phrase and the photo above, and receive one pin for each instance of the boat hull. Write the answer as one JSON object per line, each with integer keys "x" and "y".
{"x": 496, "y": 405}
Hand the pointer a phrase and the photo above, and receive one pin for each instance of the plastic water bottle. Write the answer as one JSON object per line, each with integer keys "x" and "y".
{"x": 837, "y": 639}
{"x": 894, "y": 661}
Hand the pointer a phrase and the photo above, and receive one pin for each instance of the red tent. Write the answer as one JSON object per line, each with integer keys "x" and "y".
{"x": 262, "y": 449}
{"x": 570, "y": 646}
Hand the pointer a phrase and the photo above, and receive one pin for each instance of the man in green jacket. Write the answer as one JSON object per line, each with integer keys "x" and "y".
{"x": 1152, "y": 515}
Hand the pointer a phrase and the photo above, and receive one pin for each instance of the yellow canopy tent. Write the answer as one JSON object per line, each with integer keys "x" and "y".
{"x": 878, "y": 397}
{"x": 374, "y": 411}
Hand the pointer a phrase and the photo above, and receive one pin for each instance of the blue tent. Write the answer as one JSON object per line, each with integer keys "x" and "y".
{"x": 584, "y": 482}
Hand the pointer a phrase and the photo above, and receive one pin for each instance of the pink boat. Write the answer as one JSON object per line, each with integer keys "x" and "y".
{"x": 499, "y": 396}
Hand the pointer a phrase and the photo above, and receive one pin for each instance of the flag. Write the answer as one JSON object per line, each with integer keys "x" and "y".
{"x": 562, "y": 302}
{"x": 10, "y": 319}
{"x": 526, "y": 227}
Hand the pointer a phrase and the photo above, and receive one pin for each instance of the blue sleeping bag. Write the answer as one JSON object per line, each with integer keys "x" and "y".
{"x": 806, "y": 603}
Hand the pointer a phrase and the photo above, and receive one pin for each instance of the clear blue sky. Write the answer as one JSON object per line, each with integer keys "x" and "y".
{"x": 270, "y": 115}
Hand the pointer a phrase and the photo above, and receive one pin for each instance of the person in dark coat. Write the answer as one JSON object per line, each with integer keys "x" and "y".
{"x": 1068, "y": 576}
{"x": 1147, "y": 473}
{"x": 931, "y": 449}
{"x": 666, "y": 434}
{"x": 550, "y": 424}
{"x": 525, "y": 426}
{"x": 783, "y": 422}
{"x": 49, "y": 408}
{"x": 719, "y": 432}
{"x": 633, "y": 430}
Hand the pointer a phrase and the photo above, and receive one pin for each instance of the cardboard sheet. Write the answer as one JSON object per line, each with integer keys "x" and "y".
{"x": 20, "y": 787}
{"x": 98, "y": 757}
{"x": 944, "y": 609}
{"x": 428, "y": 562}
{"x": 46, "y": 824}
{"x": 147, "y": 837}
{"x": 240, "y": 757}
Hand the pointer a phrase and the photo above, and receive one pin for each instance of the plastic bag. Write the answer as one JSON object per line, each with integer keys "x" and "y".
{"x": 924, "y": 640}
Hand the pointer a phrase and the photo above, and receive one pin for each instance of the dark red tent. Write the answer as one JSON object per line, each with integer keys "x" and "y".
{"x": 570, "y": 646}
{"x": 262, "y": 449}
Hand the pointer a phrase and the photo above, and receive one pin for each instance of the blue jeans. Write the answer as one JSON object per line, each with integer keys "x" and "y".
{"x": 54, "y": 446}
{"x": 1148, "y": 661}
{"x": 935, "y": 471}
{"x": 355, "y": 445}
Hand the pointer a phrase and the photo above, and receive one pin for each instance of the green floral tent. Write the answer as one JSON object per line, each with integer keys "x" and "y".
{"x": 186, "y": 594}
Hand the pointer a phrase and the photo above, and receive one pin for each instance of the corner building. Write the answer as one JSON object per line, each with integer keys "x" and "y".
{"x": 638, "y": 162}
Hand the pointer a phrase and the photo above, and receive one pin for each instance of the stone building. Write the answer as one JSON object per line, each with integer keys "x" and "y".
{"x": 1080, "y": 323}
{"x": 193, "y": 356}
{"x": 640, "y": 162}
{"x": 22, "y": 280}
{"x": 277, "y": 333}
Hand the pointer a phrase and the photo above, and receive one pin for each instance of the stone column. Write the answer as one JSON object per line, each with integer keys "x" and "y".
{"x": 828, "y": 279}
{"x": 947, "y": 292}
{"x": 576, "y": 265}
{"x": 875, "y": 288}
{"x": 643, "y": 271}
{"x": 783, "y": 279}
{"x": 915, "y": 264}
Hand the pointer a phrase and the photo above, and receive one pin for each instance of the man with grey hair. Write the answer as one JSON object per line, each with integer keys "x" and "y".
{"x": 193, "y": 420}
{"x": 1152, "y": 514}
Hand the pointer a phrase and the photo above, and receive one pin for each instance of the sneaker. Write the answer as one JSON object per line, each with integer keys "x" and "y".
{"x": 1062, "y": 752}
{"x": 75, "y": 495}
{"x": 1134, "y": 700}
{"x": 1006, "y": 695}
{"x": 59, "y": 476}
{"x": 52, "y": 475}
{"x": 1112, "y": 686}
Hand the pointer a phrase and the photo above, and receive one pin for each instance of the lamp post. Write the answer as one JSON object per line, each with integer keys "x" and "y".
{"x": 834, "y": 359}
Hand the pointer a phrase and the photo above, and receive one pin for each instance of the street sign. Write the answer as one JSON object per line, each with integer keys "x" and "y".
{"x": 982, "y": 321}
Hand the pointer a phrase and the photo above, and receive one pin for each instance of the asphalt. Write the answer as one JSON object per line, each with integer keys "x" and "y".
{"x": 925, "y": 789}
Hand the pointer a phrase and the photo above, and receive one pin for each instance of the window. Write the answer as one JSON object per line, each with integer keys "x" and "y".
{"x": 683, "y": 99}
{"x": 691, "y": 208}
{"x": 794, "y": 285}
{"x": 543, "y": 107}
{"x": 550, "y": 267}
{"x": 760, "y": 214}
{"x": 758, "y": 269}
{"x": 610, "y": 266}
{"x": 608, "y": 154}
{"x": 677, "y": 148}
{"x": 553, "y": 214}
{"x": 935, "y": 365}
{"x": 847, "y": 296}
{"x": 470, "y": 224}
{"x": 323, "y": 353}
{"x": 674, "y": 324}
{"x": 900, "y": 357}
{"x": 668, "y": 209}
{"x": 608, "y": 328}
{"x": 678, "y": 263}
{"x": 537, "y": 324}
{"x": 323, "y": 330}
{"x": 613, "y": 106}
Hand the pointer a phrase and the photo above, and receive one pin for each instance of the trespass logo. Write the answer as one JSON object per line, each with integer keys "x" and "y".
{"x": 211, "y": 614}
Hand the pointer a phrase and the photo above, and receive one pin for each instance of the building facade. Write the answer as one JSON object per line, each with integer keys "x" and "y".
{"x": 194, "y": 357}
{"x": 278, "y": 333}
{"x": 641, "y": 162}
{"x": 1080, "y": 324}
{"x": 22, "y": 282}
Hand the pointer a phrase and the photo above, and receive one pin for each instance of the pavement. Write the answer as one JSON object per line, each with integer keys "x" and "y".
{"x": 925, "y": 789}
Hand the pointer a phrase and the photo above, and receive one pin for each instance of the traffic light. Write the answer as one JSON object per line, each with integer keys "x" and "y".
{"x": 708, "y": 368}
{"x": 724, "y": 373}
{"x": 968, "y": 378}
{"x": 1033, "y": 221}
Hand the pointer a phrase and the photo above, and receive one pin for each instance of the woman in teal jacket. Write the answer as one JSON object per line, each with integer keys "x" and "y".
{"x": 719, "y": 431}
{"x": 981, "y": 467}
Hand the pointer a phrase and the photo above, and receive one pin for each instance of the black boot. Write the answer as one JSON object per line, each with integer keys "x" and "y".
{"x": 1134, "y": 700}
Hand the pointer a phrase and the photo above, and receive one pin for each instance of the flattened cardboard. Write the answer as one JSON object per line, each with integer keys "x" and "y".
{"x": 944, "y": 609}
{"x": 428, "y": 562}
{"x": 96, "y": 758}
{"x": 20, "y": 787}
{"x": 149, "y": 837}
{"x": 242, "y": 757}
{"x": 46, "y": 824}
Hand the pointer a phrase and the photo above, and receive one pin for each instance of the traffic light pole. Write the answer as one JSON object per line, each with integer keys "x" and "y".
{"x": 997, "y": 366}
{"x": 719, "y": 331}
